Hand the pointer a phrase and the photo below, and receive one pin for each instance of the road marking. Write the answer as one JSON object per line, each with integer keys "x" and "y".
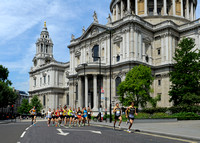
{"x": 23, "y": 134}
{"x": 69, "y": 129}
{"x": 62, "y": 133}
{"x": 171, "y": 138}
{"x": 96, "y": 132}
{"x": 27, "y": 128}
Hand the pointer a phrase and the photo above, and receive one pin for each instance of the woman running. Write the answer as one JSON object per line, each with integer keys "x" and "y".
{"x": 53, "y": 117}
{"x": 33, "y": 115}
{"x": 65, "y": 115}
{"x": 70, "y": 116}
{"x": 49, "y": 117}
{"x": 79, "y": 114}
{"x": 89, "y": 115}
{"x": 57, "y": 117}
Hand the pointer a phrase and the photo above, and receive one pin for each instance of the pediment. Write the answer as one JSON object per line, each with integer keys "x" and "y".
{"x": 93, "y": 30}
{"x": 117, "y": 39}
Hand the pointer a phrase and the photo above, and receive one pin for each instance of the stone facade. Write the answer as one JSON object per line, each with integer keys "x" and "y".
{"x": 141, "y": 32}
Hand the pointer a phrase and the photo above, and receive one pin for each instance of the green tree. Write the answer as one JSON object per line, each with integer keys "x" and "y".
{"x": 137, "y": 86}
{"x": 25, "y": 107}
{"x": 185, "y": 77}
{"x": 7, "y": 95}
{"x": 35, "y": 101}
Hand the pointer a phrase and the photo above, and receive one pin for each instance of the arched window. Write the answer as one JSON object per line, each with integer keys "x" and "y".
{"x": 118, "y": 58}
{"x": 95, "y": 53}
{"x": 117, "y": 82}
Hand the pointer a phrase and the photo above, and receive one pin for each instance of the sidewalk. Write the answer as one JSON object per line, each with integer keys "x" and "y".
{"x": 7, "y": 121}
{"x": 182, "y": 129}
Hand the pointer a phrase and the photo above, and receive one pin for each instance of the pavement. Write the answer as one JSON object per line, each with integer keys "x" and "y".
{"x": 183, "y": 129}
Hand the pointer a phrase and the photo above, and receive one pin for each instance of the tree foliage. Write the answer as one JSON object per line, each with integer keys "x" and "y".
{"x": 25, "y": 107}
{"x": 137, "y": 86}
{"x": 7, "y": 95}
{"x": 35, "y": 101}
{"x": 185, "y": 78}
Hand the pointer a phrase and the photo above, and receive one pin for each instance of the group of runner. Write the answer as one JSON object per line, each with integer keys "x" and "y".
{"x": 72, "y": 117}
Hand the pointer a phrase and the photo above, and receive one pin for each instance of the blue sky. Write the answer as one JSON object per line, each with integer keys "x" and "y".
{"x": 23, "y": 20}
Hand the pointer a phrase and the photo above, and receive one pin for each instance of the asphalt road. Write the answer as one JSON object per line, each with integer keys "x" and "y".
{"x": 41, "y": 133}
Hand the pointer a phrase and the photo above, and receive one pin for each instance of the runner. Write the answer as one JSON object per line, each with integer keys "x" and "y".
{"x": 33, "y": 115}
{"x": 65, "y": 115}
{"x": 49, "y": 116}
{"x": 131, "y": 110}
{"x": 69, "y": 113}
{"x": 117, "y": 111}
{"x": 57, "y": 116}
{"x": 84, "y": 115}
{"x": 79, "y": 115}
{"x": 53, "y": 117}
{"x": 75, "y": 117}
{"x": 89, "y": 115}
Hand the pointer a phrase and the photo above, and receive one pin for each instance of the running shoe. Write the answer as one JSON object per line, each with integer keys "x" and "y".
{"x": 113, "y": 128}
{"x": 119, "y": 127}
{"x": 128, "y": 131}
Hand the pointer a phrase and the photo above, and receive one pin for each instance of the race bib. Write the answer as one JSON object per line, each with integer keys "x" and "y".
{"x": 60, "y": 113}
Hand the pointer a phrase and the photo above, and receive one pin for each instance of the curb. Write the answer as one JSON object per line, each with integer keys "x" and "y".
{"x": 158, "y": 133}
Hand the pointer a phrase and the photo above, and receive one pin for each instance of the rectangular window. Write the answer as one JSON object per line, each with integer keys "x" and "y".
{"x": 159, "y": 51}
{"x": 40, "y": 81}
{"x": 48, "y": 79}
{"x": 67, "y": 99}
{"x": 159, "y": 82}
{"x": 44, "y": 100}
{"x": 77, "y": 92}
{"x": 34, "y": 82}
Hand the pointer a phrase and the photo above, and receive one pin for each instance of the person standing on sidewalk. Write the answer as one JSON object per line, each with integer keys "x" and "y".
{"x": 117, "y": 111}
{"x": 130, "y": 111}
{"x": 33, "y": 115}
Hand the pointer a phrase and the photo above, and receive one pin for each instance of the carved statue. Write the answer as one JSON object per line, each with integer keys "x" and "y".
{"x": 95, "y": 17}
{"x": 72, "y": 37}
{"x": 83, "y": 30}
{"x": 109, "y": 19}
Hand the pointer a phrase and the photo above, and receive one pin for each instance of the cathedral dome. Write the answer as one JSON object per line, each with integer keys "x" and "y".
{"x": 155, "y": 11}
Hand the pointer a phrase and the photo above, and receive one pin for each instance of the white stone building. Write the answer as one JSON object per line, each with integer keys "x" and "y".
{"x": 142, "y": 32}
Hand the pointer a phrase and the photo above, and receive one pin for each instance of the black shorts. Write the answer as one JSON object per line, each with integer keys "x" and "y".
{"x": 69, "y": 116}
{"x": 32, "y": 116}
{"x": 117, "y": 117}
{"x": 53, "y": 117}
{"x": 129, "y": 118}
{"x": 61, "y": 116}
{"x": 89, "y": 116}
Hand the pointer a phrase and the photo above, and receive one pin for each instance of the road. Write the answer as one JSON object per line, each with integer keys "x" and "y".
{"x": 41, "y": 133}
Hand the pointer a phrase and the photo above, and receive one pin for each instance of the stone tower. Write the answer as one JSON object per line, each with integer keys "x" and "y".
{"x": 44, "y": 49}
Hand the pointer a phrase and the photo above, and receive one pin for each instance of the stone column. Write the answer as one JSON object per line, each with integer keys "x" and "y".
{"x": 122, "y": 9}
{"x": 155, "y": 7}
{"x": 124, "y": 45}
{"x": 194, "y": 17}
{"x": 174, "y": 8}
{"x": 136, "y": 7}
{"x": 145, "y": 7}
{"x": 181, "y": 8}
{"x": 128, "y": 7}
{"x": 117, "y": 11}
{"x": 162, "y": 49}
{"x": 95, "y": 92}
{"x": 187, "y": 9}
{"x": 170, "y": 48}
{"x": 167, "y": 47}
{"x": 136, "y": 45}
{"x": 127, "y": 45}
{"x": 165, "y": 7}
{"x": 86, "y": 91}
{"x": 132, "y": 45}
{"x": 191, "y": 11}
{"x": 143, "y": 52}
{"x": 150, "y": 53}
{"x": 140, "y": 46}
{"x": 79, "y": 92}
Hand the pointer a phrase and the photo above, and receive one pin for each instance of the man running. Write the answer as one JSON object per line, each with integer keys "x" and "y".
{"x": 33, "y": 115}
{"x": 84, "y": 115}
{"x": 75, "y": 117}
{"x": 89, "y": 115}
{"x": 131, "y": 110}
{"x": 49, "y": 117}
{"x": 65, "y": 115}
{"x": 57, "y": 117}
{"x": 117, "y": 112}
